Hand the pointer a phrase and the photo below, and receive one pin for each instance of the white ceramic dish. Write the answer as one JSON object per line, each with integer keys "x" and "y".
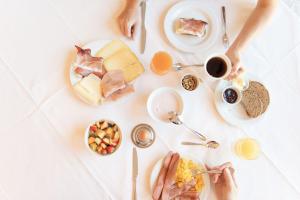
{"x": 155, "y": 172}
{"x": 239, "y": 95}
{"x": 198, "y": 9}
{"x": 87, "y": 133}
{"x": 156, "y": 94}
{"x": 233, "y": 114}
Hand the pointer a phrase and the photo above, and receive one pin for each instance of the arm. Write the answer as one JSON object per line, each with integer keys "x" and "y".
{"x": 256, "y": 21}
{"x": 129, "y": 19}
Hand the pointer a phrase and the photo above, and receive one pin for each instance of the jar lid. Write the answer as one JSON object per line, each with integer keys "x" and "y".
{"x": 143, "y": 135}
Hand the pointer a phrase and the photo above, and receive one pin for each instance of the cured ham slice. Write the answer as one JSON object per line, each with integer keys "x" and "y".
{"x": 86, "y": 64}
{"x": 112, "y": 81}
{"x": 191, "y": 27}
{"x": 121, "y": 93}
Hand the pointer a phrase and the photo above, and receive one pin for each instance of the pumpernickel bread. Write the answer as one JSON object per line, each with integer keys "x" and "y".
{"x": 255, "y": 99}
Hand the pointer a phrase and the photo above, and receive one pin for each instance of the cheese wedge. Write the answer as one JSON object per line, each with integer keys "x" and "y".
{"x": 111, "y": 48}
{"x": 89, "y": 88}
{"x": 126, "y": 61}
{"x": 118, "y": 56}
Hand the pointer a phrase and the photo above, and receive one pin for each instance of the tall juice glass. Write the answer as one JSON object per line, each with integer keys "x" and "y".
{"x": 161, "y": 63}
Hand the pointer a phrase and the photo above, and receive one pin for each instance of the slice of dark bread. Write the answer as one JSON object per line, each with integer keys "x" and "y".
{"x": 252, "y": 104}
{"x": 262, "y": 93}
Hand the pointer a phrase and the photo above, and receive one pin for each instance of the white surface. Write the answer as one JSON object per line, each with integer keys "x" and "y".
{"x": 201, "y": 10}
{"x": 42, "y": 123}
{"x": 156, "y": 169}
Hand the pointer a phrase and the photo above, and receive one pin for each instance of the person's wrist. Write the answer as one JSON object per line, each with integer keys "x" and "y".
{"x": 132, "y": 5}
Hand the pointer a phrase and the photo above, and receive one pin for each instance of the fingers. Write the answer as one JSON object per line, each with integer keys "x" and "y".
{"x": 215, "y": 177}
{"x": 234, "y": 70}
{"x": 228, "y": 178}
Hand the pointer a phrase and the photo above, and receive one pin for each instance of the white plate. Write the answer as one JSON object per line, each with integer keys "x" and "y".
{"x": 95, "y": 47}
{"x": 159, "y": 92}
{"x": 233, "y": 114}
{"x": 155, "y": 172}
{"x": 198, "y": 9}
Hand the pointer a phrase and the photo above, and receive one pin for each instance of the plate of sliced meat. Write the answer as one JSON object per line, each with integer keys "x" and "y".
{"x": 104, "y": 71}
{"x": 175, "y": 177}
{"x": 192, "y": 26}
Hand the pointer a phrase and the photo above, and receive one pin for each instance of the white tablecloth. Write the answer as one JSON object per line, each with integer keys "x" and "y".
{"x": 42, "y": 154}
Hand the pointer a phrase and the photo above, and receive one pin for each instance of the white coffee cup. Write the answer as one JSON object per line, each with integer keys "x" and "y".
{"x": 227, "y": 69}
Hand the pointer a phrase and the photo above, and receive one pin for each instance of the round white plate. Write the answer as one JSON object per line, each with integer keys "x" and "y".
{"x": 233, "y": 114}
{"x": 95, "y": 47}
{"x": 156, "y": 93}
{"x": 155, "y": 172}
{"x": 198, "y": 9}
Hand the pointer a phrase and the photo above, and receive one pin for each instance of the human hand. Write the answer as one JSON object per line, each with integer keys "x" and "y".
{"x": 129, "y": 20}
{"x": 225, "y": 185}
{"x": 234, "y": 55}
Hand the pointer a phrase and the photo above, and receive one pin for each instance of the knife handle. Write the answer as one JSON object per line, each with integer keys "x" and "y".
{"x": 134, "y": 189}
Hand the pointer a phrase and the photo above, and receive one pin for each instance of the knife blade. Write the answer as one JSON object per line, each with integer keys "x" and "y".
{"x": 135, "y": 171}
{"x": 143, "y": 27}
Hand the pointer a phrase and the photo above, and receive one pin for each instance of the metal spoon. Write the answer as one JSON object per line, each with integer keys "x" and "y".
{"x": 209, "y": 144}
{"x": 174, "y": 118}
{"x": 181, "y": 66}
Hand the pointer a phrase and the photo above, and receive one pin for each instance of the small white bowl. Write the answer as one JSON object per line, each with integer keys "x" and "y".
{"x": 87, "y": 134}
{"x": 239, "y": 95}
{"x": 158, "y": 92}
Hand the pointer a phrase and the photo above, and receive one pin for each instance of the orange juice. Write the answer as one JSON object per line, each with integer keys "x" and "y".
{"x": 247, "y": 148}
{"x": 161, "y": 63}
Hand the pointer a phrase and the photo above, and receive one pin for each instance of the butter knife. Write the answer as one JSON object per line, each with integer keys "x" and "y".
{"x": 135, "y": 171}
{"x": 143, "y": 31}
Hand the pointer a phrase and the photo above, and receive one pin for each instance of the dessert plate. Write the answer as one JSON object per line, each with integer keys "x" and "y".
{"x": 198, "y": 9}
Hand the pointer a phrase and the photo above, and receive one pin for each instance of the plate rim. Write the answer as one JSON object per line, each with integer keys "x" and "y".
{"x": 195, "y": 50}
{"x": 233, "y": 120}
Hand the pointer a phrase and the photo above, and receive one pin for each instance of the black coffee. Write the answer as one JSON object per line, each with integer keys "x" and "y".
{"x": 216, "y": 67}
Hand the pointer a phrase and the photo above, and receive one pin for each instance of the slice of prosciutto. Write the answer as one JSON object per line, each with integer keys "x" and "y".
{"x": 191, "y": 26}
{"x": 86, "y": 64}
{"x": 121, "y": 93}
{"x": 112, "y": 81}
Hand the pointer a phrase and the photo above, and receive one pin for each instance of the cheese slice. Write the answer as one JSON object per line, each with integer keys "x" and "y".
{"x": 89, "y": 88}
{"x": 126, "y": 61}
{"x": 111, "y": 48}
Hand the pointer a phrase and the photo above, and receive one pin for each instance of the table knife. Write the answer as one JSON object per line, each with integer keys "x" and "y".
{"x": 135, "y": 170}
{"x": 143, "y": 31}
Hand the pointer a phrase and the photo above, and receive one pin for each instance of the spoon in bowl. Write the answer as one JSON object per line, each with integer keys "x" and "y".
{"x": 210, "y": 144}
{"x": 174, "y": 118}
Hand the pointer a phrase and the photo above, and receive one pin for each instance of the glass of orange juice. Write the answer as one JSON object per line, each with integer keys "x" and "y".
{"x": 247, "y": 148}
{"x": 161, "y": 63}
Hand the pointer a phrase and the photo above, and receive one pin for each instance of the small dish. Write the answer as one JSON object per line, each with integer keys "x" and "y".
{"x": 231, "y": 95}
{"x": 162, "y": 101}
{"x": 103, "y": 137}
{"x": 190, "y": 82}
